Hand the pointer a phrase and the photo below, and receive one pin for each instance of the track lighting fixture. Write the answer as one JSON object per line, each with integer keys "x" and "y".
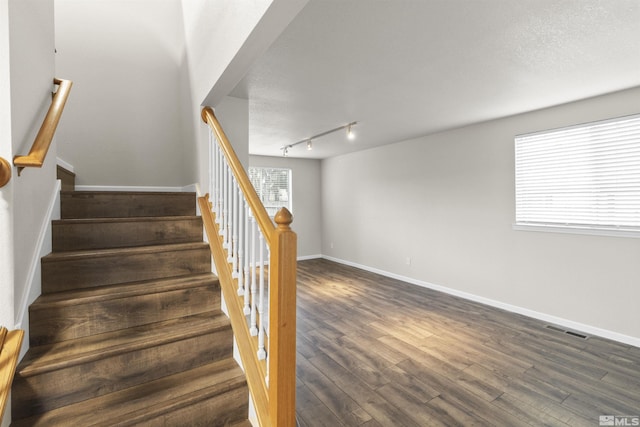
{"x": 350, "y": 135}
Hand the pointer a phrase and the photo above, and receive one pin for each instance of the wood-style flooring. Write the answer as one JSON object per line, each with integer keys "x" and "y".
{"x": 374, "y": 351}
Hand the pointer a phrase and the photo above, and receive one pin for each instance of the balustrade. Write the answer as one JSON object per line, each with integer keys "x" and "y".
{"x": 256, "y": 264}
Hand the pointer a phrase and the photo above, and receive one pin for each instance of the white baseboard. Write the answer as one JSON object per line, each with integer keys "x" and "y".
{"x": 306, "y": 257}
{"x": 33, "y": 280}
{"x": 192, "y": 188}
{"x": 566, "y": 323}
{"x": 66, "y": 165}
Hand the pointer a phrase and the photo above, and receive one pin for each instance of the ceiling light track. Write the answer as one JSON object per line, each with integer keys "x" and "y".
{"x": 308, "y": 141}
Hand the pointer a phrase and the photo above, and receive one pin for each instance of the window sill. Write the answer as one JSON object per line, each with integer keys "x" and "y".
{"x": 568, "y": 229}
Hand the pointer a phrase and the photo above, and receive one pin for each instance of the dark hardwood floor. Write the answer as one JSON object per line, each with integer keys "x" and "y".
{"x": 374, "y": 351}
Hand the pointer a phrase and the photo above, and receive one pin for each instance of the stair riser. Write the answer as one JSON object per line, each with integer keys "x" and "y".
{"x": 115, "y": 204}
{"x": 104, "y": 235}
{"x": 40, "y": 393}
{"x": 54, "y": 324}
{"x": 87, "y": 272}
{"x": 224, "y": 410}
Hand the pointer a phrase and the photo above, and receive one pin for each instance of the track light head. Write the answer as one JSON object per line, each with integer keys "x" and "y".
{"x": 309, "y": 145}
{"x": 350, "y": 134}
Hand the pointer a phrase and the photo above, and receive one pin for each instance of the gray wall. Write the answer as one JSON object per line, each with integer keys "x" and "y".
{"x": 446, "y": 201}
{"x": 32, "y": 71}
{"x": 124, "y": 123}
{"x": 26, "y": 82}
{"x": 306, "y": 209}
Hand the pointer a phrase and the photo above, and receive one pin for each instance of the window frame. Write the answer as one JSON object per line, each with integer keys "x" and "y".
{"x": 271, "y": 208}
{"x": 587, "y": 137}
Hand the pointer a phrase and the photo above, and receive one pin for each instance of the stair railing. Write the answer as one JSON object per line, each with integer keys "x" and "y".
{"x": 41, "y": 144}
{"x": 255, "y": 261}
{"x": 10, "y": 342}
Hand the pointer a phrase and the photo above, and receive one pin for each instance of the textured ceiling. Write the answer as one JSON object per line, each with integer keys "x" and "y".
{"x": 406, "y": 68}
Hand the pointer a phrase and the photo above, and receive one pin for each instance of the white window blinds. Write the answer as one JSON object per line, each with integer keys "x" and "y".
{"x": 582, "y": 176}
{"x": 273, "y": 186}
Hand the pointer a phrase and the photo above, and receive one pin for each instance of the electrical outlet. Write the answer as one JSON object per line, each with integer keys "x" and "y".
{"x": 407, "y": 261}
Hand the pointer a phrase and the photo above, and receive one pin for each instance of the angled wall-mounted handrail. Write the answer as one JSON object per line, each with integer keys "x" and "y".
{"x": 41, "y": 144}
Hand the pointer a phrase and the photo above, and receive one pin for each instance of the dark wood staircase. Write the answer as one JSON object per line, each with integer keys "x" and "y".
{"x": 128, "y": 329}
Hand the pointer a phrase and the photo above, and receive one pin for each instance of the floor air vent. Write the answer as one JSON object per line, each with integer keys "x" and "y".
{"x": 572, "y": 333}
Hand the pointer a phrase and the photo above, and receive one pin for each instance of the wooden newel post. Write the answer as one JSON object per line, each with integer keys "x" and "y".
{"x": 282, "y": 323}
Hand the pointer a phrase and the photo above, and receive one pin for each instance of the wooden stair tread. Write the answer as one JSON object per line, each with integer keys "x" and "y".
{"x": 99, "y": 253}
{"x": 127, "y": 193}
{"x": 107, "y": 292}
{"x": 243, "y": 423}
{"x": 122, "y": 219}
{"x": 139, "y": 403}
{"x": 108, "y": 204}
{"x": 99, "y": 233}
{"x": 45, "y": 358}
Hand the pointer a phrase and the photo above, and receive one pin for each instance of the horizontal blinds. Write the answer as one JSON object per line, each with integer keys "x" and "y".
{"x": 586, "y": 175}
{"x": 273, "y": 186}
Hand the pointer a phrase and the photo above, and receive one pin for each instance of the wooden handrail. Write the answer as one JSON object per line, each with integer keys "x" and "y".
{"x": 274, "y": 402}
{"x": 41, "y": 144}
{"x": 10, "y": 343}
{"x": 256, "y": 206}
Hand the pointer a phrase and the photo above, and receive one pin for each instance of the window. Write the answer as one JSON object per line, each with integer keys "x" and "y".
{"x": 273, "y": 186}
{"x": 584, "y": 177}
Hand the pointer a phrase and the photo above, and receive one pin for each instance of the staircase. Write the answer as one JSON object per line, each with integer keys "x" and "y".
{"x": 128, "y": 329}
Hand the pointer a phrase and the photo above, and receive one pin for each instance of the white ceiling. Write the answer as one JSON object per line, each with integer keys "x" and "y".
{"x": 406, "y": 68}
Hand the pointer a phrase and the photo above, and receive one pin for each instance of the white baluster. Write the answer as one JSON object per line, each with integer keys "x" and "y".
{"x": 223, "y": 223}
{"x": 236, "y": 226}
{"x": 268, "y": 291}
{"x": 254, "y": 286}
{"x": 219, "y": 186}
{"x": 229, "y": 212}
{"x": 261, "y": 352}
{"x": 247, "y": 271}
{"x": 241, "y": 231}
{"x": 212, "y": 170}
{"x": 232, "y": 218}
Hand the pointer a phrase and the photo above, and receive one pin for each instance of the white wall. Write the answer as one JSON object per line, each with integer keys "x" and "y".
{"x": 26, "y": 81}
{"x": 306, "y": 209}
{"x": 32, "y": 72}
{"x": 446, "y": 201}
{"x": 6, "y": 192}
{"x": 214, "y": 33}
{"x": 223, "y": 39}
{"x": 124, "y": 123}
{"x": 233, "y": 115}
